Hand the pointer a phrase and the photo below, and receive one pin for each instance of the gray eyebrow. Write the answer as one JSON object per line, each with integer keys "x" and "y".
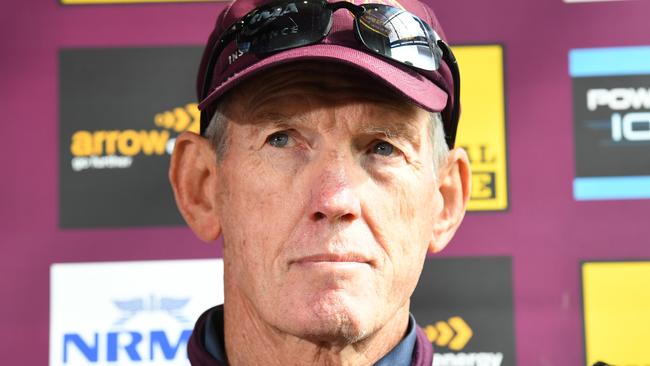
{"x": 407, "y": 131}
{"x": 261, "y": 120}
{"x": 373, "y": 130}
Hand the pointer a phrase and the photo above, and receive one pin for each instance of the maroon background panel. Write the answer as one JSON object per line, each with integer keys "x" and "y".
{"x": 545, "y": 231}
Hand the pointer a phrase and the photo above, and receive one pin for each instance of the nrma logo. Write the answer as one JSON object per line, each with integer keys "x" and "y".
{"x": 130, "y": 342}
{"x": 115, "y": 149}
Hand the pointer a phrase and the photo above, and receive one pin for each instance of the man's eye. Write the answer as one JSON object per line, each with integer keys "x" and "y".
{"x": 383, "y": 148}
{"x": 278, "y": 139}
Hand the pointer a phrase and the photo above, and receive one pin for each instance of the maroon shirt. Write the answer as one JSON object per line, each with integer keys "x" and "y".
{"x": 200, "y": 356}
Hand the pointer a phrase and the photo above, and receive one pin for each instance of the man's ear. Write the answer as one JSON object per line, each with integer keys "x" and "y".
{"x": 454, "y": 186}
{"x": 193, "y": 175}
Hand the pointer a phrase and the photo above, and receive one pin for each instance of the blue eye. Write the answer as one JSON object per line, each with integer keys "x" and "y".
{"x": 383, "y": 148}
{"x": 278, "y": 139}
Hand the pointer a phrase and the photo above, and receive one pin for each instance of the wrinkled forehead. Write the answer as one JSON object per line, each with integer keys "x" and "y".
{"x": 330, "y": 83}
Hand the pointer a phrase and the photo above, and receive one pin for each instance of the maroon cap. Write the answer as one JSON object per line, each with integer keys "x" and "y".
{"x": 431, "y": 90}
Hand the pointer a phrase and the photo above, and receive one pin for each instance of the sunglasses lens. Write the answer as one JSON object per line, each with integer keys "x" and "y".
{"x": 399, "y": 35}
{"x": 286, "y": 25}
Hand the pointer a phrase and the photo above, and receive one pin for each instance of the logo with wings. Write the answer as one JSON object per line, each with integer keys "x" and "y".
{"x": 169, "y": 305}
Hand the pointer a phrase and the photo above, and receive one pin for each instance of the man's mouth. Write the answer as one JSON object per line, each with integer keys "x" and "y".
{"x": 340, "y": 260}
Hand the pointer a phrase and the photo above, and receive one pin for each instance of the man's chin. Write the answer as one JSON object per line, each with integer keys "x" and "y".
{"x": 333, "y": 332}
{"x": 333, "y": 317}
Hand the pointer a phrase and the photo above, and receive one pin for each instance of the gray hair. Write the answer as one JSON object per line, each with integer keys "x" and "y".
{"x": 217, "y": 134}
{"x": 216, "y": 130}
{"x": 438, "y": 142}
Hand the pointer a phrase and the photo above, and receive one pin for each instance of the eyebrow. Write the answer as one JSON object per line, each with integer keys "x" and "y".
{"x": 265, "y": 120}
{"x": 406, "y": 131}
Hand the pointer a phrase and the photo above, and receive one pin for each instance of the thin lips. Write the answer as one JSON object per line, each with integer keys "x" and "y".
{"x": 331, "y": 257}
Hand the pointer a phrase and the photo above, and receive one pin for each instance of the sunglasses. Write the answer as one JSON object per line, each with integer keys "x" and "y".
{"x": 387, "y": 31}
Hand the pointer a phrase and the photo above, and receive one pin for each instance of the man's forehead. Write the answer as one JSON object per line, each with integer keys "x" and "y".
{"x": 368, "y": 118}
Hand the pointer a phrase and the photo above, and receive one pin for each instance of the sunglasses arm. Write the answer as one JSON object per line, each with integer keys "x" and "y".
{"x": 450, "y": 59}
{"x": 353, "y": 8}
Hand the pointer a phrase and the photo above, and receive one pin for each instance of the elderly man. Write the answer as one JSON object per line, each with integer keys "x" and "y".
{"x": 324, "y": 161}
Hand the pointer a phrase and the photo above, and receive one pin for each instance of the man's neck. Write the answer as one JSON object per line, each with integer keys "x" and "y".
{"x": 250, "y": 341}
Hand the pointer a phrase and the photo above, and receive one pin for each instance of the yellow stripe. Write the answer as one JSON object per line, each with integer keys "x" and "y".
{"x": 482, "y": 124}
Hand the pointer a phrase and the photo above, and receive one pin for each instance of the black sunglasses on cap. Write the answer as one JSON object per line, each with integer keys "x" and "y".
{"x": 387, "y": 31}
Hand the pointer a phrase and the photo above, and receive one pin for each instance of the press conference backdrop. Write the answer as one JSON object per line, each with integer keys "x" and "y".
{"x": 549, "y": 268}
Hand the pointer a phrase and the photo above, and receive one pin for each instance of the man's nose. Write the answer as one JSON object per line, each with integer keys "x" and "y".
{"x": 333, "y": 195}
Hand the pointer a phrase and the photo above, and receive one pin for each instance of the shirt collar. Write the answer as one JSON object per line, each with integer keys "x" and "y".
{"x": 402, "y": 354}
{"x": 214, "y": 339}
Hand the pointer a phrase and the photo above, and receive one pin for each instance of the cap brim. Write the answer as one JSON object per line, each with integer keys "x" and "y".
{"x": 412, "y": 85}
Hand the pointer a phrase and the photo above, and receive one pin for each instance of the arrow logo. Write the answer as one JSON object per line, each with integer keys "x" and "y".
{"x": 180, "y": 119}
{"x": 454, "y": 333}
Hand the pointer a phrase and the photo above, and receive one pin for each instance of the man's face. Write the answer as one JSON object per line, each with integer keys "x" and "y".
{"x": 327, "y": 194}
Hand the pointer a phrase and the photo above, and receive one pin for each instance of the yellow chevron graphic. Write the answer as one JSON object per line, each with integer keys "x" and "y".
{"x": 180, "y": 119}
{"x": 454, "y": 333}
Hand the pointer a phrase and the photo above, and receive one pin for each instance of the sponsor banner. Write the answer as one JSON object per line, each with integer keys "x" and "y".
{"x": 616, "y": 304}
{"x": 85, "y": 2}
{"x": 129, "y": 313}
{"x": 611, "y": 102}
{"x": 464, "y": 305}
{"x": 120, "y": 112}
{"x": 482, "y": 129}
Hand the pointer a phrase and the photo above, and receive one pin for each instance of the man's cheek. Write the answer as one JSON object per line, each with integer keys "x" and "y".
{"x": 398, "y": 211}
{"x": 408, "y": 233}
